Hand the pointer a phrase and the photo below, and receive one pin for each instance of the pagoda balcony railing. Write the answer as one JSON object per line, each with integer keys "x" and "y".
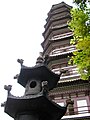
{"x": 63, "y": 50}
{"x": 47, "y": 32}
{"x": 78, "y": 110}
{"x": 71, "y": 72}
{"x": 69, "y": 34}
{"x": 81, "y": 114}
{"x": 59, "y": 26}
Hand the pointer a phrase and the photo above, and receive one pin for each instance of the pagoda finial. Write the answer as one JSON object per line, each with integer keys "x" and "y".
{"x": 20, "y": 61}
{"x": 3, "y": 104}
{"x": 16, "y": 76}
{"x": 8, "y": 88}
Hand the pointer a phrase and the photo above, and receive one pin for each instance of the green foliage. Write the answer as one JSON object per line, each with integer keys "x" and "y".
{"x": 81, "y": 3}
{"x": 80, "y": 25}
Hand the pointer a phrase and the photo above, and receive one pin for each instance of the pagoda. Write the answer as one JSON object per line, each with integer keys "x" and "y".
{"x": 35, "y": 103}
{"x": 58, "y": 50}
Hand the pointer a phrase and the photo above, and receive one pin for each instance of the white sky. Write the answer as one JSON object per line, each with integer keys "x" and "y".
{"x": 21, "y": 27}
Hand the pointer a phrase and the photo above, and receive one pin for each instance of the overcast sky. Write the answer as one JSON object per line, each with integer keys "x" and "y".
{"x": 21, "y": 27}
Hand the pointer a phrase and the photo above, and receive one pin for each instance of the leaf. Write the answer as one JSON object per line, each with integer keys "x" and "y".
{"x": 80, "y": 25}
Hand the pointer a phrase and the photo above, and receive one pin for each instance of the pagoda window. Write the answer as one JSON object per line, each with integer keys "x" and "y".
{"x": 61, "y": 103}
{"x": 82, "y": 106}
{"x": 59, "y": 100}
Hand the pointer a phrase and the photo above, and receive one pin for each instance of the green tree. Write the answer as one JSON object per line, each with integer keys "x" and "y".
{"x": 80, "y": 25}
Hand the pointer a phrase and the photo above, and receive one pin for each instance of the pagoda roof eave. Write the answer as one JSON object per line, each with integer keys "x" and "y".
{"x": 39, "y": 72}
{"x": 51, "y": 14}
{"x": 52, "y": 41}
{"x": 51, "y": 58}
{"x": 56, "y": 6}
{"x": 42, "y": 104}
{"x": 60, "y": 5}
{"x": 55, "y": 28}
{"x": 71, "y": 82}
{"x": 63, "y": 87}
{"x": 52, "y": 20}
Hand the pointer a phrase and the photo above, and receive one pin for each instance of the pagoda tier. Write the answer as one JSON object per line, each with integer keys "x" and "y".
{"x": 56, "y": 22}
{"x": 58, "y": 43}
{"x": 53, "y": 26}
{"x": 57, "y": 47}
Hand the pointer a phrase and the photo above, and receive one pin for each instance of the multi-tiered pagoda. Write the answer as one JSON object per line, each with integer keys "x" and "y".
{"x": 35, "y": 103}
{"x": 57, "y": 47}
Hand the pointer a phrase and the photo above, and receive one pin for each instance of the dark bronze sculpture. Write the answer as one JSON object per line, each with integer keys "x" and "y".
{"x": 35, "y": 103}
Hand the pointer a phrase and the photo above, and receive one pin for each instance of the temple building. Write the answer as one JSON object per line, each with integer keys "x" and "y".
{"x": 56, "y": 45}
